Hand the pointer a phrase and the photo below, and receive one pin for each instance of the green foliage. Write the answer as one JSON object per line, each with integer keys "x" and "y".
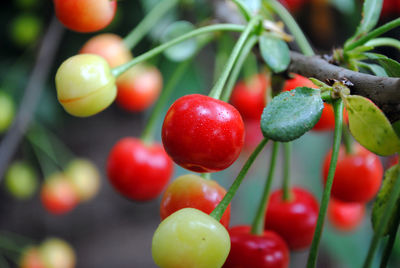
{"x": 275, "y": 52}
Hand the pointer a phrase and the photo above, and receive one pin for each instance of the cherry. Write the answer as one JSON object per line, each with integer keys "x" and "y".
{"x": 298, "y": 81}
{"x": 253, "y": 134}
{"x": 249, "y": 97}
{"x": 85, "y": 85}
{"x": 203, "y": 134}
{"x": 25, "y": 29}
{"x": 139, "y": 88}
{"x": 84, "y": 177}
{"x": 85, "y": 15}
{"x": 109, "y": 46}
{"x": 190, "y": 238}
{"x": 21, "y": 180}
{"x": 358, "y": 175}
{"x": 31, "y": 259}
{"x": 293, "y": 5}
{"x": 7, "y": 111}
{"x": 195, "y": 192}
{"x": 295, "y": 219}
{"x": 138, "y": 171}
{"x": 268, "y": 250}
{"x": 345, "y": 216}
{"x": 58, "y": 195}
{"x": 57, "y": 253}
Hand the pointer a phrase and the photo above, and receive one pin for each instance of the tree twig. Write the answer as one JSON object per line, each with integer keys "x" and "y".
{"x": 33, "y": 90}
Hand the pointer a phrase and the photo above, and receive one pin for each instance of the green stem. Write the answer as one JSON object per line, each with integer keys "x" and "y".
{"x": 384, "y": 41}
{"x": 258, "y": 222}
{"x": 392, "y": 240}
{"x": 292, "y": 25}
{"x": 217, "y": 89}
{"x": 338, "y": 109}
{"x": 238, "y": 66}
{"x": 377, "y": 32}
{"x": 348, "y": 143}
{"x": 220, "y": 209}
{"x": 287, "y": 146}
{"x": 117, "y": 71}
{"x": 206, "y": 176}
{"x": 390, "y": 205}
{"x": 148, "y": 22}
{"x": 47, "y": 167}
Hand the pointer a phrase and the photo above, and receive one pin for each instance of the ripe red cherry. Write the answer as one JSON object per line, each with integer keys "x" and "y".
{"x": 58, "y": 195}
{"x": 253, "y": 134}
{"x": 203, "y": 134}
{"x": 249, "y": 97}
{"x": 31, "y": 258}
{"x": 293, "y": 5}
{"x": 345, "y": 216}
{"x": 109, "y": 46}
{"x": 295, "y": 219}
{"x": 192, "y": 191}
{"x": 139, "y": 88}
{"x": 268, "y": 250}
{"x": 358, "y": 175}
{"x": 298, "y": 81}
{"x": 85, "y": 15}
{"x": 138, "y": 171}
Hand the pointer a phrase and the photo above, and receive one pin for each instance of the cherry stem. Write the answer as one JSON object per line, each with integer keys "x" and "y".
{"x": 348, "y": 143}
{"x": 158, "y": 12}
{"x": 377, "y": 32}
{"x": 216, "y": 91}
{"x": 206, "y": 176}
{"x": 257, "y": 227}
{"x": 338, "y": 110}
{"x": 238, "y": 66}
{"x": 221, "y": 207}
{"x": 292, "y": 25}
{"x": 47, "y": 167}
{"x": 391, "y": 241}
{"x": 119, "y": 70}
{"x": 287, "y": 146}
{"x": 387, "y": 215}
{"x": 150, "y": 129}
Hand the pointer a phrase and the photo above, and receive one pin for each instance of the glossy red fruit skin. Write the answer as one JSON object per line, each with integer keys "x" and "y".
{"x": 253, "y": 134}
{"x": 327, "y": 120}
{"x": 250, "y": 97}
{"x": 256, "y": 251}
{"x": 85, "y": 15}
{"x": 138, "y": 171}
{"x": 293, "y": 5}
{"x": 194, "y": 192}
{"x": 345, "y": 216}
{"x": 358, "y": 176}
{"x": 298, "y": 81}
{"x": 294, "y": 220}
{"x": 203, "y": 134}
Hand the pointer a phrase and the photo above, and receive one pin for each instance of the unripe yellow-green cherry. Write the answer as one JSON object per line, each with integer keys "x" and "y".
{"x": 7, "y": 111}
{"x": 85, "y": 85}
{"x": 85, "y": 177}
{"x": 21, "y": 180}
{"x": 189, "y": 238}
{"x": 57, "y": 253}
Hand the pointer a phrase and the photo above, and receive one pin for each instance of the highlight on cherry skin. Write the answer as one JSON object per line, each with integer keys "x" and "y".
{"x": 345, "y": 216}
{"x": 193, "y": 191}
{"x": 137, "y": 170}
{"x": 85, "y": 85}
{"x": 256, "y": 251}
{"x": 85, "y": 15}
{"x": 203, "y": 134}
{"x": 294, "y": 219}
{"x": 358, "y": 175}
{"x": 190, "y": 238}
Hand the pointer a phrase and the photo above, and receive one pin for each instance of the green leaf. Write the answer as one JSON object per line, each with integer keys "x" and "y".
{"x": 382, "y": 199}
{"x": 374, "y": 68}
{"x": 396, "y": 127}
{"x": 370, "y": 127}
{"x": 291, "y": 114}
{"x": 371, "y": 12}
{"x": 344, "y": 6}
{"x": 183, "y": 50}
{"x": 275, "y": 52}
{"x": 243, "y": 9}
{"x": 391, "y": 67}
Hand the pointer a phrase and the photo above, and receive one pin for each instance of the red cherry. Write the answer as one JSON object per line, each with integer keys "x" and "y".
{"x": 253, "y": 134}
{"x": 58, "y": 195}
{"x": 138, "y": 171}
{"x": 345, "y": 216}
{"x": 358, "y": 175}
{"x": 298, "y": 81}
{"x": 327, "y": 120}
{"x": 85, "y": 15}
{"x": 268, "y": 250}
{"x": 109, "y": 46}
{"x": 192, "y": 191}
{"x": 249, "y": 97}
{"x": 295, "y": 219}
{"x": 139, "y": 88}
{"x": 203, "y": 134}
{"x": 31, "y": 259}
